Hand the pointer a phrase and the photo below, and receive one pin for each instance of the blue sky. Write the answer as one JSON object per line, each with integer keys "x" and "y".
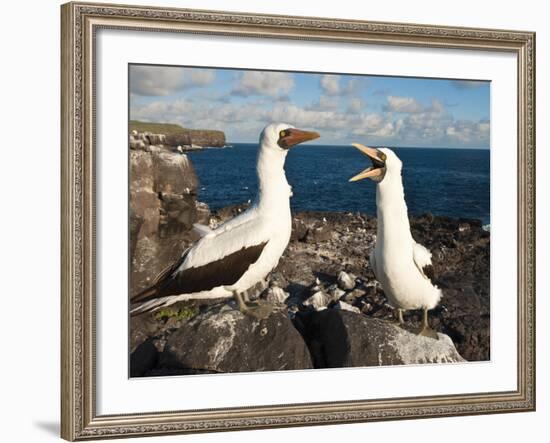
{"x": 392, "y": 111}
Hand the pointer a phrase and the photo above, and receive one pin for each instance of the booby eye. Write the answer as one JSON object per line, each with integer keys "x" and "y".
{"x": 283, "y": 134}
{"x": 382, "y": 156}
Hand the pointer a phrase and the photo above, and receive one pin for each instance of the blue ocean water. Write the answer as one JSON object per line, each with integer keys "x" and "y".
{"x": 451, "y": 182}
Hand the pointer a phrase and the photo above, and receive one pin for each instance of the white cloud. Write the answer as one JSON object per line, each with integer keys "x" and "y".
{"x": 433, "y": 126}
{"x": 306, "y": 118}
{"x": 375, "y": 125}
{"x": 164, "y": 80}
{"x": 272, "y": 84}
{"x": 437, "y": 106}
{"x": 403, "y": 104}
{"x": 469, "y": 132}
{"x": 330, "y": 84}
{"x": 325, "y": 103}
{"x": 153, "y": 80}
{"x": 331, "y": 103}
{"x": 387, "y": 130}
{"x": 355, "y": 105}
{"x": 162, "y": 111}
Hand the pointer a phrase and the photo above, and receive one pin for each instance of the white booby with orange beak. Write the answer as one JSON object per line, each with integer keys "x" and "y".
{"x": 240, "y": 253}
{"x": 402, "y": 266}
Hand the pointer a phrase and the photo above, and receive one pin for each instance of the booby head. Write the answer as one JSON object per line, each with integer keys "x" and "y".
{"x": 384, "y": 162}
{"x": 282, "y": 136}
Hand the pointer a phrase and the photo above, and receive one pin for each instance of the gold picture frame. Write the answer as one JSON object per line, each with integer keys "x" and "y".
{"x": 80, "y": 21}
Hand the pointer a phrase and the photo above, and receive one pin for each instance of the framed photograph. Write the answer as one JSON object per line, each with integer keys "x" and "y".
{"x": 286, "y": 221}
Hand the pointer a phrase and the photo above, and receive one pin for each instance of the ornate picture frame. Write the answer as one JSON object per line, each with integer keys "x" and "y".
{"x": 80, "y": 23}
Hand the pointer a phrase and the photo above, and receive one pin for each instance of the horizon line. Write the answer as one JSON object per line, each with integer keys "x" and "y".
{"x": 479, "y": 148}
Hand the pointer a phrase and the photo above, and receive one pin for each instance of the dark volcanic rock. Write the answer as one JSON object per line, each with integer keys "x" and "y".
{"x": 200, "y": 137}
{"x": 460, "y": 254}
{"x": 339, "y": 338}
{"x": 173, "y": 173}
{"x": 224, "y": 340}
{"x": 461, "y": 259}
{"x": 345, "y": 249}
{"x": 163, "y": 208}
{"x": 228, "y": 212}
{"x": 143, "y": 359}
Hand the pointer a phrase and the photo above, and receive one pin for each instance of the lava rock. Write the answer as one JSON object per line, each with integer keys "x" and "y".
{"x": 461, "y": 262}
{"x": 339, "y": 338}
{"x": 317, "y": 234}
{"x": 156, "y": 139}
{"x": 353, "y": 296}
{"x": 318, "y": 301}
{"x": 346, "y": 281}
{"x": 275, "y": 295}
{"x": 342, "y": 305}
{"x": 163, "y": 208}
{"x": 225, "y": 340}
{"x": 335, "y": 292}
{"x": 299, "y": 230}
{"x": 143, "y": 359}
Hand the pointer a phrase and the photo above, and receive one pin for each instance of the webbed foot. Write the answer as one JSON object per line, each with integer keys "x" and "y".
{"x": 428, "y": 332}
{"x": 425, "y": 329}
{"x": 258, "y": 310}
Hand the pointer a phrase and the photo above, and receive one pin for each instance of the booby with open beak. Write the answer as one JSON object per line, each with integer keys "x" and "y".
{"x": 234, "y": 257}
{"x": 402, "y": 266}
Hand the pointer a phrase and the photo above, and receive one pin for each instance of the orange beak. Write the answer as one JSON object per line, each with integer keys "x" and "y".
{"x": 378, "y": 163}
{"x": 297, "y": 136}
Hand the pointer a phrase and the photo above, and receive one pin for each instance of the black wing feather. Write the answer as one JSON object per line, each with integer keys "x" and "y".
{"x": 223, "y": 272}
{"x": 429, "y": 272}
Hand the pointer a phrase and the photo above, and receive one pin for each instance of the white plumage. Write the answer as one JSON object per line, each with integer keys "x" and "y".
{"x": 399, "y": 263}
{"x": 240, "y": 253}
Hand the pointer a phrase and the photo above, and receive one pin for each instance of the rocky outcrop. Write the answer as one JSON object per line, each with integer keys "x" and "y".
{"x": 197, "y": 137}
{"x": 460, "y": 254}
{"x": 222, "y": 339}
{"x": 225, "y": 340}
{"x": 340, "y": 338}
{"x": 173, "y": 135}
{"x": 163, "y": 208}
{"x": 461, "y": 257}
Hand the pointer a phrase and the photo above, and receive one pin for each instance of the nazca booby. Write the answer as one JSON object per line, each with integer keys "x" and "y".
{"x": 241, "y": 252}
{"x": 402, "y": 266}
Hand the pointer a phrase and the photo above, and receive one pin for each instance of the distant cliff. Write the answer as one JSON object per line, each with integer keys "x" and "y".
{"x": 177, "y": 135}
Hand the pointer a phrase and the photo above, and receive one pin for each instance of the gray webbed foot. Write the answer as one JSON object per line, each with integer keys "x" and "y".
{"x": 425, "y": 329}
{"x": 428, "y": 332}
{"x": 258, "y": 310}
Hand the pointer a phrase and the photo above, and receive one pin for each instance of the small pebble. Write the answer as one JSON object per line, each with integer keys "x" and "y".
{"x": 346, "y": 307}
{"x": 346, "y": 281}
{"x": 317, "y": 301}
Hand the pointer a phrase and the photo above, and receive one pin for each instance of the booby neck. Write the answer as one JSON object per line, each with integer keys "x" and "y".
{"x": 393, "y": 221}
{"x": 273, "y": 188}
